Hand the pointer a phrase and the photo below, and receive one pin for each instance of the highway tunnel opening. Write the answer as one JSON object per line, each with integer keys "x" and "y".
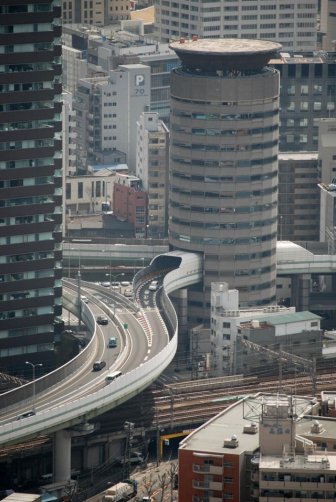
{"x": 165, "y": 263}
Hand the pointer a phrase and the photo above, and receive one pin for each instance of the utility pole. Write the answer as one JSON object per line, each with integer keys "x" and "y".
{"x": 79, "y": 300}
{"x": 194, "y": 354}
{"x": 157, "y": 438}
{"x": 33, "y": 366}
{"x": 280, "y": 367}
{"x": 297, "y": 361}
{"x": 292, "y": 429}
{"x": 314, "y": 376}
{"x": 128, "y": 426}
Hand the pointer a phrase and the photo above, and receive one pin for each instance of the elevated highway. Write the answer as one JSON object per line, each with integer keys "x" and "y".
{"x": 149, "y": 347}
{"x": 149, "y": 344}
{"x": 292, "y": 258}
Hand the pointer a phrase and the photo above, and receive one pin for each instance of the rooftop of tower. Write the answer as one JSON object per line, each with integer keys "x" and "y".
{"x": 227, "y": 54}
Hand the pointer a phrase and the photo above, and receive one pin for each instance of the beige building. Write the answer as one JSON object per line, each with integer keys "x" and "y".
{"x": 152, "y": 167}
{"x": 94, "y": 12}
{"x": 297, "y": 458}
{"x": 327, "y": 163}
{"x": 86, "y": 194}
{"x": 328, "y": 24}
{"x": 292, "y": 23}
{"x": 275, "y": 327}
{"x": 264, "y": 448}
{"x": 327, "y": 150}
{"x": 220, "y": 460}
{"x": 299, "y": 198}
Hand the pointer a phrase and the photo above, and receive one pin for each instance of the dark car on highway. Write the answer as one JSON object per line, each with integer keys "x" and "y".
{"x": 27, "y": 414}
{"x": 98, "y": 365}
{"x": 101, "y": 319}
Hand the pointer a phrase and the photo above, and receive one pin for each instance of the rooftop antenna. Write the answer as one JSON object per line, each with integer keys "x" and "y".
{"x": 292, "y": 416}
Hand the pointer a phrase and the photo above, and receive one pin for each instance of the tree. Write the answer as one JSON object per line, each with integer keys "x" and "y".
{"x": 172, "y": 472}
{"x": 148, "y": 484}
{"x": 163, "y": 483}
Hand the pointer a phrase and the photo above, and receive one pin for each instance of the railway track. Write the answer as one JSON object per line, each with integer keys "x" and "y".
{"x": 181, "y": 404}
{"x": 191, "y": 403}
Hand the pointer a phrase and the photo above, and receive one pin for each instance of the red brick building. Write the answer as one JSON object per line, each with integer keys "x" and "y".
{"x": 220, "y": 460}
{"x": 212, "y": 458}
{"x": 130, "y": 203}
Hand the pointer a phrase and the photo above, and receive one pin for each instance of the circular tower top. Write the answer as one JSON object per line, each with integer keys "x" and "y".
{"x": 225, "y": 54}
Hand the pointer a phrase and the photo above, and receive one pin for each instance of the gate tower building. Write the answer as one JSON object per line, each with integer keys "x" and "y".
{"x": 224, "y": 165}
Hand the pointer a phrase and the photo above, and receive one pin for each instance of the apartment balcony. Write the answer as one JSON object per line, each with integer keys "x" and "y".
{"x": 208, "y": 485}
{"x": 206, "y": 499}
{"x": 208, "y": 469}
{"x": 294, "y": 499}
{"x": 298, "y": 485}
{"x": 255, "y": 492}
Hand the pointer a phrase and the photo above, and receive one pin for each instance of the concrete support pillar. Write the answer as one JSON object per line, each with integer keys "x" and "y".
{"x": 62, "y": 456}
{"x": 301, "y": 284}
{"x": 182, "y": 312}
{"x": 180, "y": 301}
{"x": 333, "y": 283}
{"x": 85, "y": 457}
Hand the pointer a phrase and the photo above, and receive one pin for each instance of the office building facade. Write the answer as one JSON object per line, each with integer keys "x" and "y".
{"x": 153, "y": 170}
{"x": 327, "y": 150}
{"x": 293, "y": 24}
{"x": 328, "y": 24}
{"x": 107, "y": 109}
{"x": 307, "y": 94}
{"x": 223, "y": 165}
{"x": 93, "y": 12}
{"x": 30, "y": 181}
{"x": 88, "y": 52}
{"x": 299, "y": 201}
{"x": 274, "y": 326}
{"x": 327, "y": 164}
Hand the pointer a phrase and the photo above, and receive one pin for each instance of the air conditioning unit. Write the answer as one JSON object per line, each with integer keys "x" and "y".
{"x": 250, "y": 429}
{"x": 231, "y": 442}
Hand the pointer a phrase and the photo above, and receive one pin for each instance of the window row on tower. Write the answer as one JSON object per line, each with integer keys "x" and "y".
{"x": 218, "y": 210}
{"x": 226, "y": 226}
{"x": 224, "y": 241}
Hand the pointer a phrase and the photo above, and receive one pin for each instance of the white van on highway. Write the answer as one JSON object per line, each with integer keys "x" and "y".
{"x": 112, "y": 376}
{"x": 154, "y": 285}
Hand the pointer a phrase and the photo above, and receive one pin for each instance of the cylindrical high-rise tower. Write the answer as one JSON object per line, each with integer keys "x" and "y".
{"x": 224, "y": 166}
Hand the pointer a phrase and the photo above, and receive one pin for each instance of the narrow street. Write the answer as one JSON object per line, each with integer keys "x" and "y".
{"x": 155, "y": 481}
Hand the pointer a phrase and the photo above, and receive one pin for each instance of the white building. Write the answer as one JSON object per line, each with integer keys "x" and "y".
{"x": 328, "y": 24}
{"x": 152, "y": 167}
{"x": 291, "y": 23}
{"x": 86, "y": 194}
{"x": 328, "y": 215}
{"x": 102, "y": 50}
{"x": 132, "y": 83}
{"x": 69, "y": 135}
{"x": 327, "y": 162}
{"x": 327, "y": 149}
{"x": 228, "y": 321}
{"x": 107, "y": 110}
{"x": 74, "y": 66}
{"x": 97, "y": 13}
